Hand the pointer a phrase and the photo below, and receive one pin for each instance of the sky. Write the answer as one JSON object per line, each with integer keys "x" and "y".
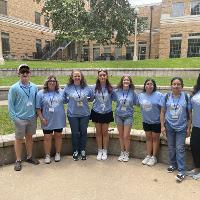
{"x": 140, "y": 2}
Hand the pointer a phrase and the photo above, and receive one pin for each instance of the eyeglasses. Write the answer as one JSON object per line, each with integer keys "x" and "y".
{"x": 52, "y": 81}
{"x": 103, "y": 75}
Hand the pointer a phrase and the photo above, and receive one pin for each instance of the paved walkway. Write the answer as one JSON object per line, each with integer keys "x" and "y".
{"x": 94, "y": 180}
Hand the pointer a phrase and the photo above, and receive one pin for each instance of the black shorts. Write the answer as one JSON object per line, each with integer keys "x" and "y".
{"x": 51, "y": 131}
{"x": 156, "y": 128}
{"x": 101, "y": 118}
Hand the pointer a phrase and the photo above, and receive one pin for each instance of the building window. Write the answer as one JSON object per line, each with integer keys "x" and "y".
{"x": 175, "y": 46}
{"x": 37, "y": 18}
{"x": 107, "y": 53}
{"x": 5, "y": 43}
{"x": 177, "y": 9}
{"x": 96, "y": 53}
{"x": 3, "y": 7}
{"x": 46, "y": 21}
{"x": 195, "y": 7}
{"x": 118, "y": 53}
{"x": 194, "y": 45}
{"x": 38, "y": 46}
{"x": 142, "y": 50}
{"x": 129, "y": 52}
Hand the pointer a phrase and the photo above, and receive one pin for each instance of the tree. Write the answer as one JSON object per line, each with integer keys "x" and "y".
{"x": 106, "y": 21}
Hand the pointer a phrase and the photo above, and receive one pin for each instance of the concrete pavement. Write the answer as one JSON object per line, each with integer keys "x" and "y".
{"x": 94, "y": 180}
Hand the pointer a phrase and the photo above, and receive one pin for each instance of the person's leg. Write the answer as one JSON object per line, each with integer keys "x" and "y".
{"x": 83, "y": 132}
{"x": 180, "y": 150}
{"x": 195, "y": 147}
{"x": 47, "y": 143}
{"x": 29, "y": 145}
{"x": 156, "y": 143}
{"x": 120, "y": 128}
{"x": 104, "y": 129}
{"x": 74, "y": 125}
{"x": 18, "y": 149}
{"x": 171, "y": 140}
{"x": 99, "y": 136}
{"x": 58, "y": 141}
{"x": 105, "y": 140}
{"x": 126, "y": 137}
{"x": 149, "y": 142}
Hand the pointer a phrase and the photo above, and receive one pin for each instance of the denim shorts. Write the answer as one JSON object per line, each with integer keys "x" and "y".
{"x": 123, "y": 120}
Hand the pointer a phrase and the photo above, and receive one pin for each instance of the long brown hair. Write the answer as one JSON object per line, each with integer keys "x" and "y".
{"x": 83, "y": 82}
{"x": 45, "y": 87}
{"x": 120, "y": 84}
{"x": 108, "y": 85}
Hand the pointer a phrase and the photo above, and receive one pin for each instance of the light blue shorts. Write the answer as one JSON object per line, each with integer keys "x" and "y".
{"x": 123, "y": 120}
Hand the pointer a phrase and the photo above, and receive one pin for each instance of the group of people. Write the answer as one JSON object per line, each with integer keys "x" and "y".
{"x": 171, "y": 114}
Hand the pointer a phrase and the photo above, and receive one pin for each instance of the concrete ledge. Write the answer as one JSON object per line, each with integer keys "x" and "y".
{"x": 137, "y": 148}
{"x": 4, "y": 90}
{"x": 149, "y": 72}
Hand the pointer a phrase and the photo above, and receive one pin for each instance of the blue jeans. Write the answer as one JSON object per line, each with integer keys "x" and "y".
{"x": 176, "y": 145}
{"x": 79, "y": 132}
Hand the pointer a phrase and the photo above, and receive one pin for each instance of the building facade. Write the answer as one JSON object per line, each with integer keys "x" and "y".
{"x": 173, "y": 31}
{"x": 25, "y": 32}
{"x": 180, "y": 29}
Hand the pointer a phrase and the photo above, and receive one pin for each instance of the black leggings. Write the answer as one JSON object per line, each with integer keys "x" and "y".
{"x": 195, "y": 146}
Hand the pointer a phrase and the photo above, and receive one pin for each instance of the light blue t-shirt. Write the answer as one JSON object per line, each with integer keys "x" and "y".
{"x": 21, "y": 101}
{"x": 102, "y": 100}
{"x": 195, "y": 101}
{"x": 125, "y": 101}
{"x": 176, "y": 113}
{"x": 150, "y": 106}
{"x": 77, "y": 99}
{"x": 51, "y": 104}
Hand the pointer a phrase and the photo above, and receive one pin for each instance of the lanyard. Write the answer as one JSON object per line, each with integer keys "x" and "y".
{"x": 125, "y": 97}
{"x": 102, "y": 93}
{"x": 176, "y": 105}
{"x": 29, "y": 91}
{"x": 51, "y": 99}
{"x": 79, "y": 95}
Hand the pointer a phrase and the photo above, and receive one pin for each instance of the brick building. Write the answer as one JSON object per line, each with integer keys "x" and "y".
{"x": 24, "y": 31}
{"x": 173, "y": 31}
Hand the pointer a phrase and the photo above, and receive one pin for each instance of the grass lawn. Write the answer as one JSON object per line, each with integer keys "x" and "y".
{"x": 154, "y": 63}
{"x": 6, "y": 126}
{"x": 138, "y": 80}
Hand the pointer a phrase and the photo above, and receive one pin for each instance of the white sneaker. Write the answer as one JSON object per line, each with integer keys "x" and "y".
{"x": 47, "y": 159}
{"x": 57, "y": 157}
{"x": 104, "y": 154}
{"x": 99, "y": 155}
{"x": 120, "y": 158}
{"x": 146, "y": 160}
{"x": 152, "y": 161}
{"x": 126, "y": 156}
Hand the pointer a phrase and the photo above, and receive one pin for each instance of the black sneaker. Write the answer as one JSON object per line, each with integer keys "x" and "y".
{"x": 18, "y": 165}
{"x": 32, "y": 161}
{"x": 75, "y": 155}
{"x": 83, "y": 155}
{"x": 170, "y": 169}
{"x": 179, "y": 177}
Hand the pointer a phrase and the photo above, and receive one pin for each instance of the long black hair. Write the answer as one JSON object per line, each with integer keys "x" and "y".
{"x": 154, "y": 84}
{"x": 196, "y": 87}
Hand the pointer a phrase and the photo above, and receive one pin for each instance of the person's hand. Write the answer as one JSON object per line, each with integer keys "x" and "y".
{"x": 44, "y": 121}
{"x": 163, "y": 130}
{"x": 188, "y": 133}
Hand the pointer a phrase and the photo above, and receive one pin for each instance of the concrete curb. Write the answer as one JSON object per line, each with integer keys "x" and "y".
{"x": 137, "y": 148}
